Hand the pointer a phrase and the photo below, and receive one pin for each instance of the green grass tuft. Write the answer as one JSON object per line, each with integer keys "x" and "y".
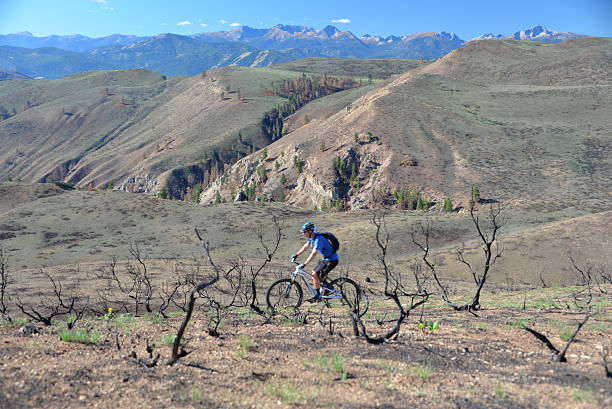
{"x": 168, "y": 339}
{"x": 286, "y": 391}
{"x": 83, "y": 337}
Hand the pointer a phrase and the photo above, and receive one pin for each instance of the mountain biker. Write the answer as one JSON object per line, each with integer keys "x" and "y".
{"x": 319, "y": 244}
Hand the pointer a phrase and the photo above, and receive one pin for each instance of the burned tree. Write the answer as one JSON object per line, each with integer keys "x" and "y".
{"x": 60, "y": 304}
{"x": 487, "y": 234}
{"x": 6, "y": 280}
{"x": 406, "y": 295}
{"x": 178, "y": 349}
{"x": 135, "y": 284}
{"x": 237, "y": 285}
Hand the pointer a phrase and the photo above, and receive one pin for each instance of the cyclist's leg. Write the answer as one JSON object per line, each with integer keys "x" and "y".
{"x": 320, "y": 271}
{"x": 330, "y": 266}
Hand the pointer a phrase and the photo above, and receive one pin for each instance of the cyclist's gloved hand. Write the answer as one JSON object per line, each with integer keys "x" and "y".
{"x": 293, "y": 257}
{"x": 301, "y": 266}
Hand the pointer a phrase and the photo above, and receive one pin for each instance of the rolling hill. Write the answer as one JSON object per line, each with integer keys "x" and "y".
{"x": 525, "y": 121}
{"x": 135, "y": 129}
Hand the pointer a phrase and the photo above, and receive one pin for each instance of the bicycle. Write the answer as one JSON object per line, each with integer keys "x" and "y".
{"x": 288, "y": 293}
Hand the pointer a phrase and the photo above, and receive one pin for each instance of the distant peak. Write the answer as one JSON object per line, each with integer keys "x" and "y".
{"x": 330, "y": 30}
{"x": 24, "y": 33}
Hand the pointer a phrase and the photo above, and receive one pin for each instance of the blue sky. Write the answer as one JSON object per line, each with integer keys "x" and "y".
{"x": 468, "y": 19}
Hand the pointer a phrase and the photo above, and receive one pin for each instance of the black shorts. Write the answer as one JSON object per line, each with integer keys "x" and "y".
{"x": 324, "y": 267}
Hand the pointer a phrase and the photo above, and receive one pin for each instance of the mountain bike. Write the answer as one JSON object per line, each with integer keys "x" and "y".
{"x": 288, "y": 293}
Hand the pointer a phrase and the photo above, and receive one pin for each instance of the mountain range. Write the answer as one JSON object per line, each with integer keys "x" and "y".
{"x": 172, "y": 54}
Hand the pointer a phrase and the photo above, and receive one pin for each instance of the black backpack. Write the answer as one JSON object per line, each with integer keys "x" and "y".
{"x": 332, "y": 240}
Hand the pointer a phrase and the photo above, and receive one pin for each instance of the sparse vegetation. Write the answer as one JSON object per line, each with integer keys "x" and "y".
{"x": 80, "y": 336}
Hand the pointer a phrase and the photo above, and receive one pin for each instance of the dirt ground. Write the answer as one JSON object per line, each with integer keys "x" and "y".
{"x": 487, "y": 361}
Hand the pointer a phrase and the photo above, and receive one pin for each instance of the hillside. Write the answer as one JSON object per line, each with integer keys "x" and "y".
{"x": 377, "y": 68}
{"x": 46, "y": 62}
{"x": 139, "y": 130}
{"x": 525, "y": 121}
{"x": 44, "y": 226}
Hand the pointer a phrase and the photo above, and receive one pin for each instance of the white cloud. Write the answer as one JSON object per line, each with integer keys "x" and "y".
{"x": 204, "y": 25}
{"x": 99, "y": 1}
{"x": 222, "y": 21}
{"x": 163, "y": 24}
{"x": 342, "y": 20}
{"x": 184, "y": 23}
{"x": 235, "y": 24}
{"x": 107, "y": 8}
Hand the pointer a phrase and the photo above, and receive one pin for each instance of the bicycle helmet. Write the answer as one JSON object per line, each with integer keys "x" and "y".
{"x": 308, "y": 226}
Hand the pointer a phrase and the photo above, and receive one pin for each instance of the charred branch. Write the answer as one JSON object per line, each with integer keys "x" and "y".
{"x": 6, "y": 279}
{"x": 557, "y": 354}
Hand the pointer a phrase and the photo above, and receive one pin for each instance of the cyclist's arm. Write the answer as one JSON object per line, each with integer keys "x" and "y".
{"x": 312, "y": 255}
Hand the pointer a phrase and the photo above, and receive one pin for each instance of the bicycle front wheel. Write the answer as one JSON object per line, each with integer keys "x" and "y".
{"x": 284, "y": 293}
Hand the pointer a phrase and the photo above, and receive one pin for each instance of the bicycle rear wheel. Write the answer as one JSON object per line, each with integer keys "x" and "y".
{"x": 284, "y": 293}
{"x": 351, "y": 293}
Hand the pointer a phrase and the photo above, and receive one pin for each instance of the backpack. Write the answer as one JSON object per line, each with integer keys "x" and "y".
{"x": 332, "y": 240}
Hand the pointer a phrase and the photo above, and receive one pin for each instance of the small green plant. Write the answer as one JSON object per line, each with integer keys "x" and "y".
{"x": 566, "y": 334}
{"x": 356, "y": 137}
{"x": 70, "y": 320}
{"x": 196, "y": 394}
{"x": 108, "y": 316}
{"x": 448, "y": 204}
{"x": 285, "y": 391}
{"x": 430, "y": 325}
{"x": 276, "y": 166}
{"x": 519, "y": 323}
{"x": 283, "y": 179}
{"x": 419, "y": 371}
{"x": 246, "y": 344}
{"x": 501, "y": 390}
{"x": 154, "y": 318}
{"x": 480, "y": 326}
{"x": 83, "y": 337}
{"x": 168, "y": 339}
{"x": 163, "y": 193}
{"x": 334, "y": 363}
{"x": 584, "y": 395}
{"x": 123, "y": 320}
{"x": 16, "y": 322}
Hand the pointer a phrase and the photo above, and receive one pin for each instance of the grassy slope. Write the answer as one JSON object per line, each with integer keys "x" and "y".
{"x": 161, "y": 123}
{"x": 377, "y": 68}
{"x": 532, "y": 133}
{"x": 84, "y": 227}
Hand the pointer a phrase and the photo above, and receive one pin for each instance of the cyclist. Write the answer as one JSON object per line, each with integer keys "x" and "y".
{"x": 322, "y": 245}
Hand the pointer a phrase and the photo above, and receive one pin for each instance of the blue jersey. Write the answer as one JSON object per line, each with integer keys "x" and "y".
{"x": 323, "y": 246}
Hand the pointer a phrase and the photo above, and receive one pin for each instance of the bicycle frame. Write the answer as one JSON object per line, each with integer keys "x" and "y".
{"x": 326, "y": 293}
